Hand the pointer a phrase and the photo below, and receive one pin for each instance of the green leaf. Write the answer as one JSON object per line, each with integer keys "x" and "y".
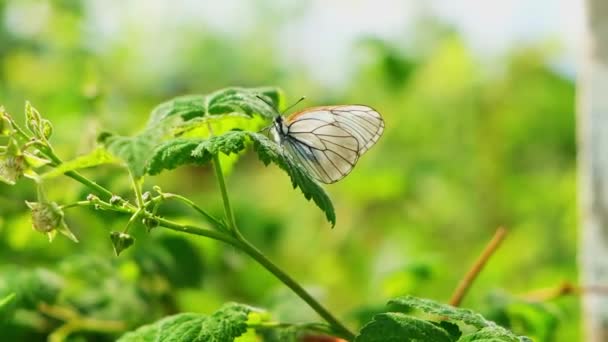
{"x": 455, "y": 315}
{"x": 452, "y": 329}
{"x": 185, "y": 113}
{"x": 96, "y": 157}
{"x": 136, "y": 150}
{"x": 30, "y": 286}
{"x": 493, "y": 334}
{"x": 398, "y": 327}
{"x": 452, "y": 313}
{"x": 269, "y": 151}
{"x": 222, "y": 102}
{"x": 178, "y": 152}
{"x": 226, "y": 324}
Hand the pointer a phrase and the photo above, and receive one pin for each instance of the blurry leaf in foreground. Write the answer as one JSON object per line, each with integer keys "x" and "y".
{"x": 184, "y": 151}
{"x": 226, "y": 324}
{"x": 4, "y": 304}
{"x": 30, "y": 286}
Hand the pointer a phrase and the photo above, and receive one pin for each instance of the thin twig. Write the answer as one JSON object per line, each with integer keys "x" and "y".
{"x": 474, "y": 271}
{"x": 562, "y": 290}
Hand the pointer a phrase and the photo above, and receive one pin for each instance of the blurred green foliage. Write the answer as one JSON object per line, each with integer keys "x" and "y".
{"x": 468, "y": 146}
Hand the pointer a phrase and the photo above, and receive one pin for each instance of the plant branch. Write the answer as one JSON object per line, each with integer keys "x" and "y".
{"x": 471, "y": 275}
{"x": 136, "y": 182}
{"x": 237, "y": 241}
{"x": 212, "y": 220}
{"x": 564, "y": 289}
{"x": 258, "y": 256}
{"x": 73, "y": 322}
{"x": 230, "y": 221}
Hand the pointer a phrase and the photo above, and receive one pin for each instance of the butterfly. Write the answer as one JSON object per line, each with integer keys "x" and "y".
{"x": 328, "y": 141}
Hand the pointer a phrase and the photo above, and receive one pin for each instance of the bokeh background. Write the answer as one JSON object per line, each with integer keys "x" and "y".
{"x": 478, "y": 99}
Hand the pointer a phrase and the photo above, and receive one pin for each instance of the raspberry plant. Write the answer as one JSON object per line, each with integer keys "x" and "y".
{"x": 202, "y": 129}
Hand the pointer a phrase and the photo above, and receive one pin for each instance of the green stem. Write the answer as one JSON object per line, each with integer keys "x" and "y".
{"x": 238, "y": 241}
{"x": 227, "y": 208}
{"x": 137, "y": 188}
{"x": 75, "y": 204}
{"x": 212, "y": 220}
{"x": 134, "y": 217}
{"x": 253, "y": 252}
{"x": 77, "y": 176}
{"x": 188, "y": 229}
{"x": 258, "y": 256}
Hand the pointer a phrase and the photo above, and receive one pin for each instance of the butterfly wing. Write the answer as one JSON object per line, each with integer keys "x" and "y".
{"x": 327, "y": 141}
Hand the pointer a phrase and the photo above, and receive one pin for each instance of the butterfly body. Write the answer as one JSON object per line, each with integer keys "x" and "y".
{"x": 328, "y": 141}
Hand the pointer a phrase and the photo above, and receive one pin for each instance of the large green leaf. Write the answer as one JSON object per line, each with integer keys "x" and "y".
{"x": 185, "y": 113}
{"x": 96, "y": 157}
{"x": 488, "y": 329}
{"x": 443, "y": 310}
{"x": 226, "y": 324}
{"x": 222, "y": 102}
{"x": 178, "y": 152}
{"x": 398, "y": 327}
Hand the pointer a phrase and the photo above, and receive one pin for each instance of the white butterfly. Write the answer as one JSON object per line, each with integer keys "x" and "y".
{"x": 328, "y": 141}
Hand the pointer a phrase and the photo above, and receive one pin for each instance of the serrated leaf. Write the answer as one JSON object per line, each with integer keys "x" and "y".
{"x": 222, "y": 102}
{"x": 136, "y": 150}
{"x": 452, "y": 313}
{"x": 175, "y": 116}
{"x": 455, "y": 315}
{"x": 493, "y": 334}
{"x": 226, "y": 324}
{"x": 178, "y": 152}
{"x": 269, "y": 151}
{"x": 96, "y": 157}
{"x": 398, "y": 327}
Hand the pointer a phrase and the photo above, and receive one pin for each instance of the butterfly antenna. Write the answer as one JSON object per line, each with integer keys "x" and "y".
{"x": 266, "y": 102}
{"x": 295, "y": 104}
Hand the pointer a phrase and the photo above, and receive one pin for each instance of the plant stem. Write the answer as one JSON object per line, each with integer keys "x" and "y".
{"x": 258, "y": 256}
{"x": 471, "y": 275}
{"x": 188, "y": 229}
{"x": 253, "y": 252}
{"x": 237, "y": 241}
{"x": 212, "y": 220}
{"x": 227, "y": 208}
{"x": 77, "y": 176}
{"x": 136, "y": 182}
{"x": 564, "y": 289}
